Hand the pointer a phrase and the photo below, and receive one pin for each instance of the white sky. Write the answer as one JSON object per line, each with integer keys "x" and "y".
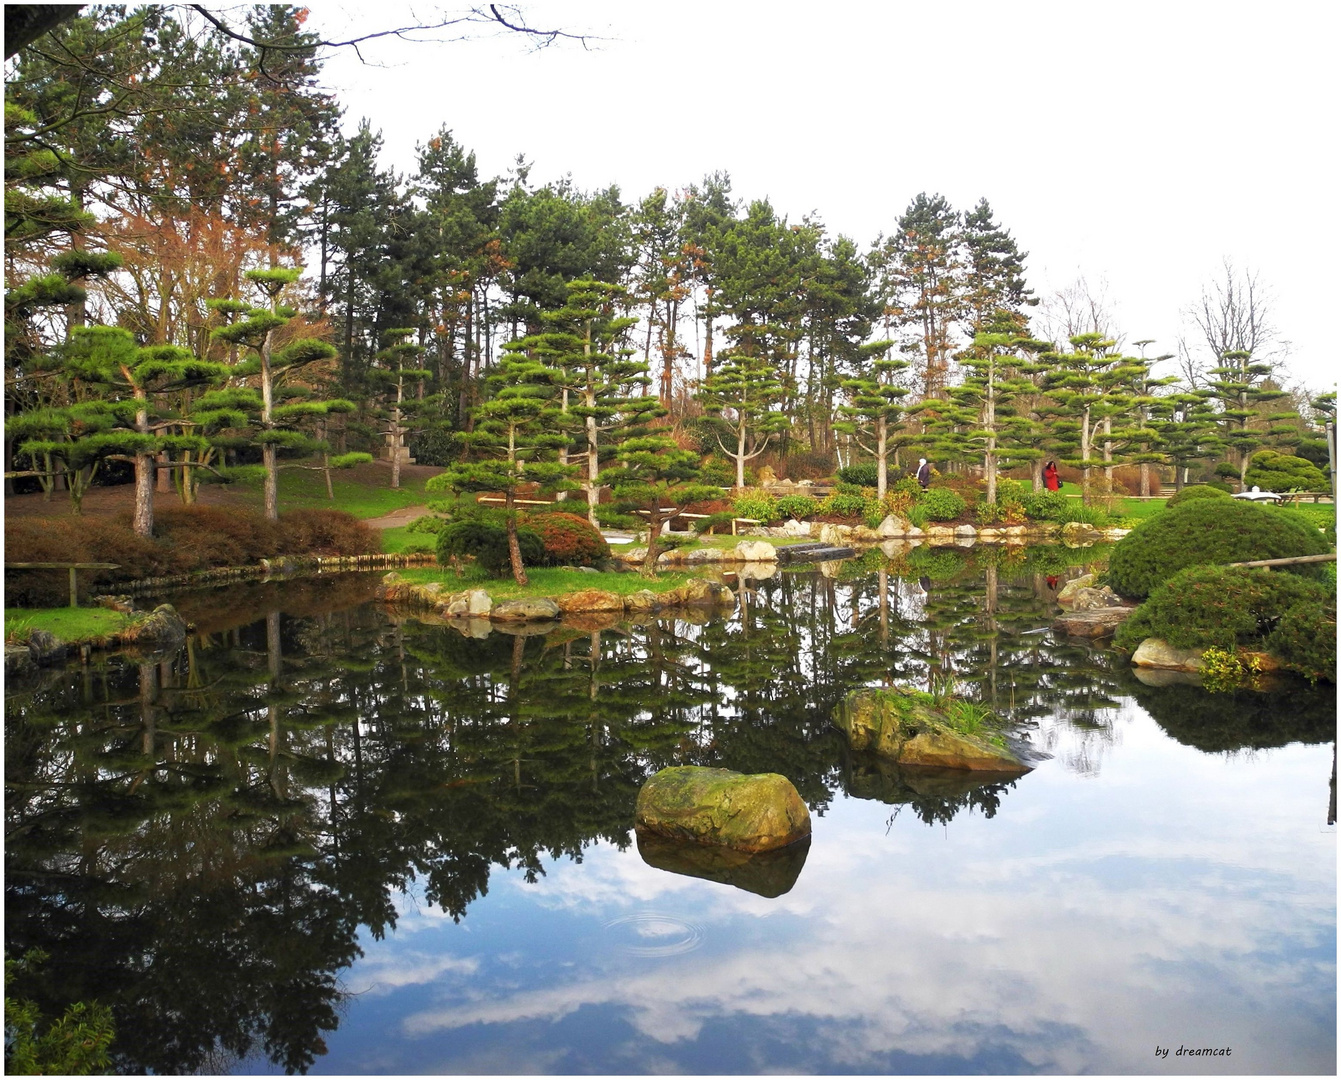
{"x": 1139, "y": 145}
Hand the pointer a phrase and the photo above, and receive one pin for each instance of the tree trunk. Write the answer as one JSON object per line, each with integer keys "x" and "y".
{"x": 740, "y": 453}
{"x": 144, "y": 475}
{"x": 514, "y": 548}
{"x": 881, "y": 456}
{"x": 649, "y": 568}
{"x": 593, "y": 470}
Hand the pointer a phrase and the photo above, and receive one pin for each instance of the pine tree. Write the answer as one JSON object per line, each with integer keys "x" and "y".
{"x": 876, "y": 408}
{"x": 922, "y": 264}
{"x": 654, "y": 476}
{"x": 748, "y": 387}
{"x": 1242, "y": 387}
{"x": 278, "y": 424}
{"x": 598, "y": 378}
{"x": 993, "y": 269}
{"x": 983, "y": 411}
{"x": 518, "y": 434}
{"x": 396, "y": 367}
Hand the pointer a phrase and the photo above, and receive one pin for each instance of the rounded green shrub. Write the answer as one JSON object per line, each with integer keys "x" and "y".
{"x": 758, "y": 505}
{"x": 845, "y": 504}
{"x": 941, "y": 504}
{"x": 1196, "y": 491}
{"x": 798, "y": 507}
{"x": 1284, "y": 472}
{"x": 487, "y": 543}
{"x": 863, "y": 474}
{"x": 1305, "y": 638}
{"x": 1222, "y": 606}
{"x": 1045, "y": 505}
{"x": 1207, "y": 531}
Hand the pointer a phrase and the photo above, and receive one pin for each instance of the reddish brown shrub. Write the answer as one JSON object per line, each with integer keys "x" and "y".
{"x": 569, "y": 540}
{"x": 197, "y": 537}
{"x": 325, "y": 532}
{"x": 74, "y": 539}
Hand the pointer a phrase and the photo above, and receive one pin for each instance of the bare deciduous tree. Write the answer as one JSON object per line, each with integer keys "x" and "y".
{"x": 1078, "y": 308}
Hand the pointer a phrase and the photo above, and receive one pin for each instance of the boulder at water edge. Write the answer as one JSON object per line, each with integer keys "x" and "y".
{"x": 1158, "y": 653}
{"x": 756, "y": 812}
{"x": 905, "y": 727}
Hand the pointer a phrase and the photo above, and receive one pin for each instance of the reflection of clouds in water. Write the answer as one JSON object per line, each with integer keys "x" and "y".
{"x": 388, "y": 971}
{"x": 1060, "y": 933}
{"x": 907, "y": 969}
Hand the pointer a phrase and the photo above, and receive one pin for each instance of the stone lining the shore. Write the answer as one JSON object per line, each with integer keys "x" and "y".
{"x": 478, "y": 604}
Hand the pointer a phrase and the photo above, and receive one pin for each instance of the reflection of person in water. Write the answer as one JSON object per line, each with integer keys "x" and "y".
{"x": 1052, "y": 581}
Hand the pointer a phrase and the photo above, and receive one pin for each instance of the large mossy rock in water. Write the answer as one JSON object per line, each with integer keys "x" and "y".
{"x": 757, "y": 812}
{"x": 904, "y": 726}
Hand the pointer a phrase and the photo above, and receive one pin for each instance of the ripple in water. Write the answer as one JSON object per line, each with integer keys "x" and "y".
{"x": 657, "y": 935}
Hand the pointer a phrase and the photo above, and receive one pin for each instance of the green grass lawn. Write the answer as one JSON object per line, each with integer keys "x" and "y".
{"x": 67, "y": 623}
{"x": 364, "y": 491}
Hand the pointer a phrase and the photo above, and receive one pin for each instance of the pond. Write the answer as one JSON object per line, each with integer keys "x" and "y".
{"x": 328, "y": 837}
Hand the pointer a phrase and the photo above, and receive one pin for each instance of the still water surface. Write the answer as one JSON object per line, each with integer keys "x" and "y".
{"x": 340, "y": 840}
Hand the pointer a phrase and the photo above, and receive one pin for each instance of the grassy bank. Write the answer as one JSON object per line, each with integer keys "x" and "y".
{"x": 544, "y": 581}
{"x": 73, "y": 625}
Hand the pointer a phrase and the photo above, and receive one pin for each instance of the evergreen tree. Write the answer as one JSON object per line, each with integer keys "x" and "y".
{"x": 518, "y": 434}
{"x": 993, "y": 269}
{"x": 597, "y": 377}
{"x": 748, "y": 387}
{"x": 402, "y": 415}
{"x": 983, "y": 407}
{"x": 1242, "y": 387}
{"x": 654, "y": 476}
{"x": 876, "y": 408}
{"x": 922, "y": 264}
{"x": 278, "y": 424}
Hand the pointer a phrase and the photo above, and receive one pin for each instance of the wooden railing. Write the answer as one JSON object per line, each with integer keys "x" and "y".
{"x": 71, "y": 566}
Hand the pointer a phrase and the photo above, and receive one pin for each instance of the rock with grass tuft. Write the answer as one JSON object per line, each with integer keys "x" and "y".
{"x": 908, "y": 727}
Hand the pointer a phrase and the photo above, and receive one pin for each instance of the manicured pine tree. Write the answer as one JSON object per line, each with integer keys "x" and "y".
{"x": 1187, "y": 427}
{"x": 876, "y": 408}
{"x": 654, "y": 476}
{"x": 517, "y": 434}
{"x": 278, "y": 425}
{"x": 1146, "y": 452}
{"x": 1078, "y": 386}
{"x": 1242, "y": 388}
{"x": 983, "y": 414}
{"x": 125, "y": 420}
{"x": 396, "y": 368}
{"x": 748, "y": 387}
{"x": 599, "y": 380}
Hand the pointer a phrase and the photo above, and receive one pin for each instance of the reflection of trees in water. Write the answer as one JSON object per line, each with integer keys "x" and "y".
{"x": 1237, "y": 720}
{"x": 244, "y": 806}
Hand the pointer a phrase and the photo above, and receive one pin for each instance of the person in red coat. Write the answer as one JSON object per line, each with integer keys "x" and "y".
{"x": 1051, "y": 480}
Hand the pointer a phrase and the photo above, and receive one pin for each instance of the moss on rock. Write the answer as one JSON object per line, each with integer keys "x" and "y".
{"x": 748, "y": 812}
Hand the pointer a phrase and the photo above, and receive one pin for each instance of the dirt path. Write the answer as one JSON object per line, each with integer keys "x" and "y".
{"x": 396, "y": 518}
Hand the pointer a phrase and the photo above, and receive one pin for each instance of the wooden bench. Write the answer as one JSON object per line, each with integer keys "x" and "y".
{"x": 71, "y": 566}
